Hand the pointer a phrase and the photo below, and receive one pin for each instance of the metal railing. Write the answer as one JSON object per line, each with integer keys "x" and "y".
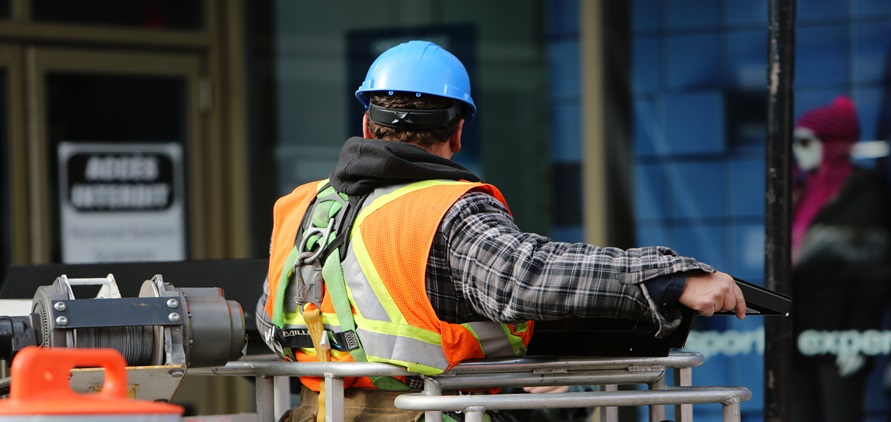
{"x": 528, "y": 371}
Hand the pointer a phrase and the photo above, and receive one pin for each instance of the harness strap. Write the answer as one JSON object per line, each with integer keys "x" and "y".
{"x": 313, "y": 317}
{"x": 285, "y": 277}
{"x": 342, "y": 236}
{"x": 297, "y": 339}
{"x": 339, "y": 224}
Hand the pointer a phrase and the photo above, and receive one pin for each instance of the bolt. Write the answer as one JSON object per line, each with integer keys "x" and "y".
{"x": 176, "y": 372}
{"x": 172, "y": 303}
{"x": 62, "y": 320}
{"x": 60, "y": 306}
{"x": 173, "y": 317}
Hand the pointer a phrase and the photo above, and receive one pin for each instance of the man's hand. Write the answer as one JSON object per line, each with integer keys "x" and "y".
{"x": 708, "y": 293}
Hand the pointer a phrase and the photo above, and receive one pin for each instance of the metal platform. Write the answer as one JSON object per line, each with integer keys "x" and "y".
{"x": 606, "y": 372}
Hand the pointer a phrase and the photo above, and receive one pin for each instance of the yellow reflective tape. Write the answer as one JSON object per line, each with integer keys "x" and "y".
{"x": 386, "y": 198}
{"x": 411, "y": 366}
{"x": 374, "y": 280}
{"x": 404, "y": 330}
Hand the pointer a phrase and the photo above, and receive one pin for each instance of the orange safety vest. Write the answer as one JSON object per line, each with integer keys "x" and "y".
{"x": 385, "y": 275}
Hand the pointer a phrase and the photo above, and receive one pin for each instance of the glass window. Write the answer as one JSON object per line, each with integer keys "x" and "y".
{"x": 145, "y": 14}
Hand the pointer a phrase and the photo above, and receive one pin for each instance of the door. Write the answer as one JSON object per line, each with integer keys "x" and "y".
{"x": 113, "y": 98}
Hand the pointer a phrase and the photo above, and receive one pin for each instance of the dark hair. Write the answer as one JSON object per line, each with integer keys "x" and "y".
{"x": 410, "y": 100}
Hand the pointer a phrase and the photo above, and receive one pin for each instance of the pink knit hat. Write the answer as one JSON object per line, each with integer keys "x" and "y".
{"x": 836, "y": 125}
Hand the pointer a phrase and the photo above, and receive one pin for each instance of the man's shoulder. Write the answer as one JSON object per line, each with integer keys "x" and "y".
{"x": 475, "y": 201}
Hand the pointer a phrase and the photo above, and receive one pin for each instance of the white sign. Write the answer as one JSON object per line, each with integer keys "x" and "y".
{"x": 121, "y": 202}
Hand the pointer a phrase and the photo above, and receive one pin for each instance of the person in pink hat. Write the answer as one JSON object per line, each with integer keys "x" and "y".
{"x": 841, "y": 265}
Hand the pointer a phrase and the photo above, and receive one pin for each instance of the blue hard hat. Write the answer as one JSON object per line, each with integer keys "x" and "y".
{"x": 421, "y": 67}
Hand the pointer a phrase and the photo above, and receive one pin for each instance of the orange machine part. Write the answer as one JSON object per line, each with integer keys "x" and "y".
{"x": 39, "y": 385}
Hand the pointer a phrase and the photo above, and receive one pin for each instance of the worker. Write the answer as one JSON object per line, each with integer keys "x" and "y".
{"x": 404, "y": 256}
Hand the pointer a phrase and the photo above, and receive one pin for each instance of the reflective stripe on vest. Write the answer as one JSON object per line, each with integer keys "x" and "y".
{"x": 493, "y": 338}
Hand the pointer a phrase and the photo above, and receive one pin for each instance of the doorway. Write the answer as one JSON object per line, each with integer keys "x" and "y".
{"x": 114, "y": 98}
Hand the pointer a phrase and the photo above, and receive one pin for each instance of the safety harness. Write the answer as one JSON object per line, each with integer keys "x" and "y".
{"x": 314, "y": 263}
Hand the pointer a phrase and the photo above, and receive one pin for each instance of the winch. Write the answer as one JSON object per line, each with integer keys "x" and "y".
{"x": 164, "y": 325}
{"x": 165, "y": 328}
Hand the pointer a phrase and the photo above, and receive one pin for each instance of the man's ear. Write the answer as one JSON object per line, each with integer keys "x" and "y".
{"x": 365, "y": 132}
{"x": 455, "y": 140}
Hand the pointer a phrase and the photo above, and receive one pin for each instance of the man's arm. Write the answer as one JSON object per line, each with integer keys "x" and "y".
{"x": 508, "y": 275}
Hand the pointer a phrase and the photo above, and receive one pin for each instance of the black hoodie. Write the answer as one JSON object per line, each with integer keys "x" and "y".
{"x": 367, "y": 164}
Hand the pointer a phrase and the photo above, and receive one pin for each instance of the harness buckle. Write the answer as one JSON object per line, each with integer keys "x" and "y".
{"x": 308, "y": 267}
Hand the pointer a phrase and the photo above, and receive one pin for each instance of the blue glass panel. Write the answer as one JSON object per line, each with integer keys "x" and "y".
{"x": 649, "y": 135}
{"x": 705, "y": 241}
{"x": 563, "y": 69}
{"x": 815, "y": 10}
{"x": 747, "y": 251}
{"x": 746, "y": 124}
{"x": 694, "y": 122}
{"x": 746, "y": 184}
{"x": 821, "y": 55}
{"x": 808, "y": 99}
{"x": 696, "y": 189}
{"x": 646, "y": 65}
{"x": 871, "y": 51}
{"x": 868, "y": 102}
{"x": 691, "y": 14}
{"x": 562, "y": 17}
{"x": 566, "y": 189}
{"x": 745, "y": 12}
{"x": 713, "y": 372}
{"x": 745, "y": 59}
{"x": 694, "y": 61}
{"x": 747, "y": 337}
{"x": 876, "y": 390}
{"x": 652, "y": 235}
{"x": 646, "y": 15}
{"x": 572, "y": 234}
{"x": 871, "y": 8}
{"x": 566, "y": 135}
{"x": 650, "y": 201}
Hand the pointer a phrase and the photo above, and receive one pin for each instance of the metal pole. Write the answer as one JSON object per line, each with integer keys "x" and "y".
{"x": 730, "y": 411}
{"x": 777, "y": 259}
{"x": 610, "y": 413}
{"x": 265, "y": 400}
{"x": 683, "y": 377}
{"x": 657, "y": 412}
{"x": 432, "y": 388}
